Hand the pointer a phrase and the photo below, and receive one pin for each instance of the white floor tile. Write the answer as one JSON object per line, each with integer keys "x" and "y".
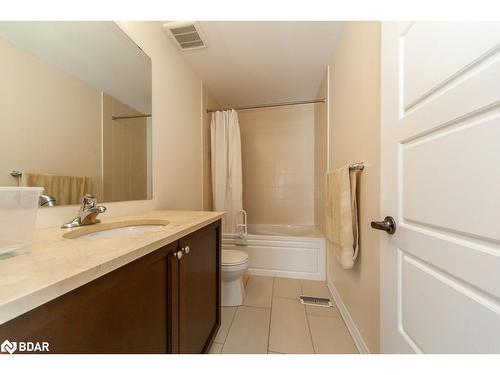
{"x": 287, "y": 288}
{"x": 227, "y": 315}
{"x": 330, "y": 335}
{"x": 249, "y": 331}
{"x": 259, "y": 292}
{"x": 315, "y": 288}
{"x": 289, "y": 328}
{"x": 332, "y": 312}
{"x": 273, "y": 321}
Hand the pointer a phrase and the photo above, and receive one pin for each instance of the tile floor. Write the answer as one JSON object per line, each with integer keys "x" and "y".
{"x": 272, "y": 320}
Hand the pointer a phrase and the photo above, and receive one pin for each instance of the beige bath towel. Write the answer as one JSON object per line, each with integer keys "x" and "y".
{"x": 65, "y": 189}
{"x": 342, "y": 216}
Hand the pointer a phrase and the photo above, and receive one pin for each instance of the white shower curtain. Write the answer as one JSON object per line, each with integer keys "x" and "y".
{"x": 227, "y": 183}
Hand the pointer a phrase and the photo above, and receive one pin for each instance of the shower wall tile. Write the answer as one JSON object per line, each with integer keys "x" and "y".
{"x": 278, "y": 164}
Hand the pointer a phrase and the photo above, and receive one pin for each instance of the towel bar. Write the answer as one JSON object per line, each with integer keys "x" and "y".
{"x": 357, "y": 166}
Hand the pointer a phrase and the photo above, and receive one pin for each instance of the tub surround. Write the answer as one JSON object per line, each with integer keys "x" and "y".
{"x": 57, "y": 265}
{"x": 277, "y": 150}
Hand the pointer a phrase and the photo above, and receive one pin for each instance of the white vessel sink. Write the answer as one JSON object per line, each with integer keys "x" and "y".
{"x": 119, "y": 229}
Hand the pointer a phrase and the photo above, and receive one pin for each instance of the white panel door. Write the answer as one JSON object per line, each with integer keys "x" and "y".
{"x": 440, "y": 271}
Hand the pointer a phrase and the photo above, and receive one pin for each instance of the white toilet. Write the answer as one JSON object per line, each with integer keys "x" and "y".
{"x": 234, "y": 266}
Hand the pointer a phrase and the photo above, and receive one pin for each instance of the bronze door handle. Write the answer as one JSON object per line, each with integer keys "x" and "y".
{"x": 388, "y": 225}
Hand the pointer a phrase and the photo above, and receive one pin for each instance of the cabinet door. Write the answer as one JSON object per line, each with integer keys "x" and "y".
{"x": 199, "y": 289}
{"x": 124, "y": 311}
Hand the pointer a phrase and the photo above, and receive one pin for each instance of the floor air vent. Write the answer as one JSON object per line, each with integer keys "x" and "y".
{"x": 316, "y": 301}
{"x": 187, "y": 35}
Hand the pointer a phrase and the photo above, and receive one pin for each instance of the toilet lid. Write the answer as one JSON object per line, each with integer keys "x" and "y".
{"x": 234, "y": 257}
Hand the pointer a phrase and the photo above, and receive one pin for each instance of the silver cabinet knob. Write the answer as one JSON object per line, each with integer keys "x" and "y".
{"x": 177, "y": 254}
{"x": 186, "y": 249}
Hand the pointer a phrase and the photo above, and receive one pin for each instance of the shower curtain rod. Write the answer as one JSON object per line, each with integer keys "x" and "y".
{"x": 125, "y": 117}
{"x": 270, "y": 105}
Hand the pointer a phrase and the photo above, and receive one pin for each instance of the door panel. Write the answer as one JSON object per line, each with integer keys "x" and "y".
{"x": 458, "y": 169}
{"x": 454, "y": 255}
{"x": 437, "y": 52}
{"x": 431, "y": 296}
{"x": 440, "y": 285}
{"x": 199, "y": 282}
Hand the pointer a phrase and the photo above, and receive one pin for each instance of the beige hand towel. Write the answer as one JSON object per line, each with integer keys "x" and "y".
{"x": 65, "y": 189}
{"x": 342, "y": 216}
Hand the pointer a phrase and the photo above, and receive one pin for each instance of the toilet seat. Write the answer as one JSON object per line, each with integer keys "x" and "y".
{"x": 232, "y": 258}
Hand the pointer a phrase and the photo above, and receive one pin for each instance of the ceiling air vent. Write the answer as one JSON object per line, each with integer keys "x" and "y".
{"x": 187, "y": 35}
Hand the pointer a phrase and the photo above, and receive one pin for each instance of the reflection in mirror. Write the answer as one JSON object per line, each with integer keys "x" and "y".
{"x": 76, "y": 111}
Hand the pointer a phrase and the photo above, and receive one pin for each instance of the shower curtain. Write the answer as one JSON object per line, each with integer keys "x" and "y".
{"x": 227, "y": 183}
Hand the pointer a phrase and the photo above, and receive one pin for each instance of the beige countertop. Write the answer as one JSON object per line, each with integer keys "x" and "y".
{"x": 57, "y": 265}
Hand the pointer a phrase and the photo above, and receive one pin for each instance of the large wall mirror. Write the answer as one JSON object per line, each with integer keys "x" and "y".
{"x": 75, "y": 112}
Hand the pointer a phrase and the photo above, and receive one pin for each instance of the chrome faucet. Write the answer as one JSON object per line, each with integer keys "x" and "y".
{"x": 46, "y": 200}
{"x": 87, "y": 214}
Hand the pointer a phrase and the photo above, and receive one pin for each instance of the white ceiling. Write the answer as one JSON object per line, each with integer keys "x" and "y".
{"x": 249, "y": 63}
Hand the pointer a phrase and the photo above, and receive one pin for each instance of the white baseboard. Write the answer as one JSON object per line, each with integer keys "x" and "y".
{"x": 351, "y": 326}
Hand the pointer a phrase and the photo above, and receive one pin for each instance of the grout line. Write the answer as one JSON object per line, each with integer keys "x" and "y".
{"x": 307, "y": 318}
{"x": 229, "y": 329}
{"x": 324, "y": 315}
{"x": 297, "y": 298}
{"x": 310, "y": 334}
{"x": 270, "y": 316}
{"x": 245, "y": 287}
{"x": 256, "y": 307}
{"x": 259, "y": 307}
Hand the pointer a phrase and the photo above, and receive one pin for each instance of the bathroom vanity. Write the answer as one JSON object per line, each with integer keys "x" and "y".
{"x": 150, "y": 292}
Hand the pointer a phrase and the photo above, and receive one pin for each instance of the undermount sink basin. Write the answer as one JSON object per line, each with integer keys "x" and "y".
{"x": 117, "y": 229}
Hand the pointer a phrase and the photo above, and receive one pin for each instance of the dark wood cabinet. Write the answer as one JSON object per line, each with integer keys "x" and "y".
{"x": 199, "y": 281}
{"x": 194, "y": 291}
{"x": 156, "y": 304}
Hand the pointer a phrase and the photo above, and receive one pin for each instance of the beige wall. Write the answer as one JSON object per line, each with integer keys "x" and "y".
{"x": 278, "y": 164}
{"x": 320, "y": 154}
{"x": 355, "y": 136}
{"x": 208, "y": 102}
{"x": 32, "y": 138}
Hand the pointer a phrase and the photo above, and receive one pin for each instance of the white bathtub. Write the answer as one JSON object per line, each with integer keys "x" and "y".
{"x": 295, "y": 251}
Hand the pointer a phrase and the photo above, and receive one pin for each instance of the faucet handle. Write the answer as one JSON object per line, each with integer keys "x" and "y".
{"x": 87, "y": 212}
{"x": 87, "y": 201}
